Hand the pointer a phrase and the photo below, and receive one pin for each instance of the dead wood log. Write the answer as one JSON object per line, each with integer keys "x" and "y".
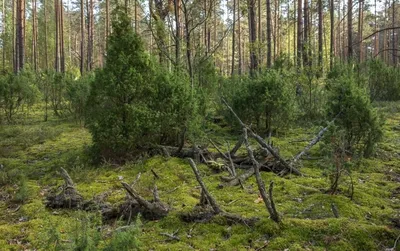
{"x": 335, "y": 211}
{"x": 262, "y": 143}
{"x": 237, "y": 146}
{"x": 151, "y": 210}
{"x": 69, "y": 197}
{"x": 192, "y": 152}
{"x": 268, "y": 200}
{"x": 205, "y": 213}
{"x": 313, "y": 142}
{"x": 211, "y": 199}
{"x": 241, "y": 178}
{"x": 232, "y": 166}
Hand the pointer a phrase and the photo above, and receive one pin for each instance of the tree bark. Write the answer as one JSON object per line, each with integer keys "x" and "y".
{"x": 177, "y": 34}
{"x": 34, "y": 36}
{"x": 394, "y": 43}
{"x": 253, "y": 37}
{"x": 332, "y": 42}
{"x": 57, "y": 39}
{"x": 299, "y": 33}
{"x": 360, "y": 29}
{"x": 350, "y": 29}
{"x": 306, "y": 41}
{"x": 82, "y": 59}
{"x": 320, "y": 35}
{"x": 269, "y": 31}
{"x": 233, "y": 39}
{"x": 46, "y": 55}
{"x": 20, "y": 35}
{"x": 3, "y": 35}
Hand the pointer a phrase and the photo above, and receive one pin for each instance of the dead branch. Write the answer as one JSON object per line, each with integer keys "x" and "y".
{"x": 237, "y": 146}
{"x": 262, "y": 142}
{"x": 152, "y": 210}
{"x": 335, "y": 211}
{"x": 173, "y": 236}
{"x": 155, "y": 174}
{"x": 314, "y": 141}
{"x": 69, "y": 197}
{"x": 204, "y": 214}
{"x": 232, "y": 166}
{"x": 68, "y": 181}
{"x": 244, "y": 176}
{"x": 268, "y": 201}
{"x": 212, "y": 201}
{"x": 219, "y": 150}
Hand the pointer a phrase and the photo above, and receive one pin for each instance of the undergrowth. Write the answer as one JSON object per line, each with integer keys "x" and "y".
{"x": 31, "y": 153}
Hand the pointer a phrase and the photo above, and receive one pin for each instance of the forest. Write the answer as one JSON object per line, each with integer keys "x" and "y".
{"x": 200, "y": 125}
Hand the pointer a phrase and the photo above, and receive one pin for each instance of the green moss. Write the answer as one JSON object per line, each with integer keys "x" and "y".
{"x": 308, "y": 221}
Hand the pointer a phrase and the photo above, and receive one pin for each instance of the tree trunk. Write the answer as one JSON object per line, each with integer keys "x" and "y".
{"x": 136, "y": 21}
{"x": 360, "y": 30}
{"x": 108, "y": 19}
{"x": 14, "y": 35}
{"x": 45, "y": 37}
{"x": 188, "y": 44}
{"x": 269, "y": 31}
{"x": 253, "y": 37}
{"x": 177, "y": 34}
{"x": 332, "y": 17}
{"x": 259, "y": 55}
{"x": 61, "y": 37}
{"x": 3, "y": 36}
{"x": 34, "y": 36}
{"x": 239, "y": 39}
{"x": 20, "y": 35}
{"x": 320, "y": 34}
{"x": 299, "y": 33}
{"x": 350, "y": 29}
{"x": 57, "y": 39}
{"x": 233, "y": 39}
{"x": 306, "y": 44}
{"x": 82, "y": 59}
{"x": 376, "y": 44}
{"x": 394, "y": 44}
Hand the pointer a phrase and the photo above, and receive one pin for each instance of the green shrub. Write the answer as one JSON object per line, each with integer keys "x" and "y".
{"x": 133, "y": 103}
{"x": 350, "y": 102}
{"x": 76, "y": 96}
{"x": 383, "y": 80}
{"x": 267, "y": 98}
{"x": 17, "y": 91}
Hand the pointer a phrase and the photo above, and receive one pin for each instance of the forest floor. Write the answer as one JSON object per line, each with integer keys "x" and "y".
{"x": 31, "y": 153}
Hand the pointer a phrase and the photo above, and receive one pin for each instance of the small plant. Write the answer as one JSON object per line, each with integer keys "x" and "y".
{"x": 338, "y": 161}
{"x": 86, "y": 235}
{"x": 126, "y": 239}
{"x": 23, "y": 192}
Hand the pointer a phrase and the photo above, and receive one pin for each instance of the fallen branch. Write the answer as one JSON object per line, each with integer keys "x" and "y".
{"x": 69, "y": 197}
{"x": 314, "y": 141}
{"x": 203, "y": 214}
{"x": 212, "y": 201}
{"x": 268, "y": 201}
{"x": 172, "y": 236}
{"x": 152, "y": 210}
{"x": 263, "y": 144}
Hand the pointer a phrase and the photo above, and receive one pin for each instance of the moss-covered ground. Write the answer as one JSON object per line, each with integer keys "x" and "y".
{"x": 32, "y": 151}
